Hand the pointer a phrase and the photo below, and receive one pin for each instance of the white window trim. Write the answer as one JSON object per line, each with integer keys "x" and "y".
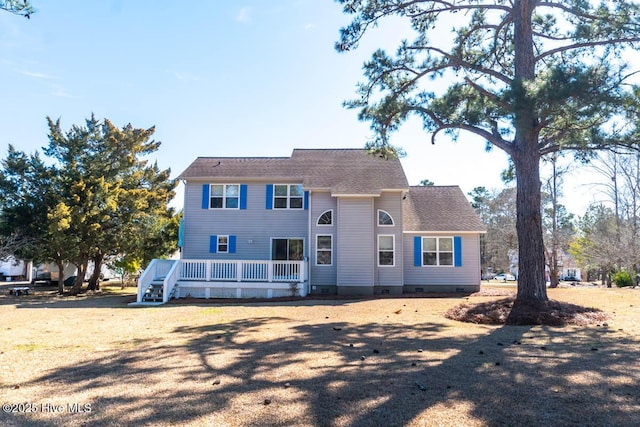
{"x": 438, "y": 251}
{"x": 324, "y": 250}
{"x": 224, "y": 196}
{"x": 393, "y": 236}
{"x": 273, "y": 203}
{"x": 218, "y": 244}
{"x": 320, "y": 216}
{"x": 393, "y": 223}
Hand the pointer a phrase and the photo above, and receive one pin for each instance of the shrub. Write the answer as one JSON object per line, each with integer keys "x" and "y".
{"x": 622, "y": 279}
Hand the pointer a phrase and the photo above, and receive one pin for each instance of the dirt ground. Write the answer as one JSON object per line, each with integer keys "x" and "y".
{"x": 94, "y": 361}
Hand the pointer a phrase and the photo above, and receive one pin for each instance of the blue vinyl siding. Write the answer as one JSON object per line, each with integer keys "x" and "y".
{"x": 252, "y": 227}
{"x": 356, "y": 245}
{"x": 466, "y": 269}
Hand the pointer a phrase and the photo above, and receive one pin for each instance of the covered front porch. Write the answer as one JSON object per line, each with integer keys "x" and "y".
{"x": 166, "y": 279}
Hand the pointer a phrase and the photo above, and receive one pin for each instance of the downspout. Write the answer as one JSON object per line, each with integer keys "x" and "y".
{"x": 309, "y": 245}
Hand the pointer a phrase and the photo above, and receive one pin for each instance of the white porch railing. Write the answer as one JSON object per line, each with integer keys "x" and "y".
{"x": 243, "y": 271}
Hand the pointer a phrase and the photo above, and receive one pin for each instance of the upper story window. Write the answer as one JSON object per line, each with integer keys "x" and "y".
{"x": 288, "y": 196}
{"x": 326, "y": 218}
{"x": 224, "y": 196}
{"x": 384, "y": 218}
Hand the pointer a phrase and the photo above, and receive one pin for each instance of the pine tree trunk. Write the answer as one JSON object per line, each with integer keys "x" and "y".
{"x": 532, "y": 291}
{"x": 531, "y": 279}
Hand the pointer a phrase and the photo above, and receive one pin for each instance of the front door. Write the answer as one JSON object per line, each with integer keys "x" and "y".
{"x": 287, "y": 249}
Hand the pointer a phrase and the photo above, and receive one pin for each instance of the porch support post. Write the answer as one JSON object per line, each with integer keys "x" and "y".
{"x": 303, "y": 271}
{"x": 270, "y": 272}
{"x": 239, "y": 268}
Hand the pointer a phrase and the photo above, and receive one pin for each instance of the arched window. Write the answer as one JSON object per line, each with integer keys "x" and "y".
{"x": 326, "y": 218}
{"x": 384, "y": 218}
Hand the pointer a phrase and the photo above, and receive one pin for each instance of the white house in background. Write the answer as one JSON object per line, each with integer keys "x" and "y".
{"x": 334, "y": 221}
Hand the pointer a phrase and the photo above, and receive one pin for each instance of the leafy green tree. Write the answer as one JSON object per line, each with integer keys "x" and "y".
{"x": 557, "y": 222}
{"x": 31, "y": 216}
{"x": 496, "y": 209}
{"x": 597, "y": 246}
{"x": 98, "y": 198}
{"x": 113, "y": 196}
{"x": 529, "y": 77}
{"x": 19, "y": 7}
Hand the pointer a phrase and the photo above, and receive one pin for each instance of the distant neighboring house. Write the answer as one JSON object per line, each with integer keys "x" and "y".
{"x": 14, "y": 269}
{"x": 570, "y": 270}
{"x": 334, "y": 221}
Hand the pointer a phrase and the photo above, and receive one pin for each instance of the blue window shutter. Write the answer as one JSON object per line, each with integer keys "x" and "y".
{"x": 205, "y": 196}
{"x": 417, "y": 251}
{"x": 232, "y": 244}
{"x": 457, "y": 251}
{"x": 306, "y": 200}
{"x": 243, "y": 196}
{"x": 269, "y": 196}
{"x": 213, "y": 244}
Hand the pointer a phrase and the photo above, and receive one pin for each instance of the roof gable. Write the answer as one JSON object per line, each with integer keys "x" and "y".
{"x": 439, "y": 208}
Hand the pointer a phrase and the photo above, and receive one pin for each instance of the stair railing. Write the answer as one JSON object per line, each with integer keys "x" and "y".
{"x": 170, "y": 280}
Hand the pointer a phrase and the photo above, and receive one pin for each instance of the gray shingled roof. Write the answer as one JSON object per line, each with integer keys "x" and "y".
{"x": 342, "y": 171}
{"x": 439, "y": 208}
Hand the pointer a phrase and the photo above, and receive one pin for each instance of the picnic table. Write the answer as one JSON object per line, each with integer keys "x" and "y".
{"x": 19, "y": 290}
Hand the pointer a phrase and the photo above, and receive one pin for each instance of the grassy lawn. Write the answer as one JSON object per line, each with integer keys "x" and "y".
{"x": 385, "y": 362}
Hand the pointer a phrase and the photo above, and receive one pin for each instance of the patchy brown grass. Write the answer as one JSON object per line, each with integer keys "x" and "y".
{"x": 391, "y": 362}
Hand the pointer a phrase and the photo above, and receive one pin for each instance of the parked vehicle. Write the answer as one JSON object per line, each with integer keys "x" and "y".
{"x": 505, "y": 277}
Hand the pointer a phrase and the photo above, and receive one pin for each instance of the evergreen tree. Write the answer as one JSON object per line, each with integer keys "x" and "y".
{"x": 531, "y": 78}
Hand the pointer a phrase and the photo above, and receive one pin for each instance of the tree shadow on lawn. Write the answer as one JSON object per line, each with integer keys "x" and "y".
{"x": 329, "y": 374}
{"x": 48, "y": 298}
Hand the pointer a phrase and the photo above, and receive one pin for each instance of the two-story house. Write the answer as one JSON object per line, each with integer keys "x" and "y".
{"x": 326, "y": 221}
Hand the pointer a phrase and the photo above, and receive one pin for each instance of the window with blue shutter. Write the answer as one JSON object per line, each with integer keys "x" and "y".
{"x": 224, "y": 196}
{"x": 437, "y": 251}
{"x": 222, "y": 244}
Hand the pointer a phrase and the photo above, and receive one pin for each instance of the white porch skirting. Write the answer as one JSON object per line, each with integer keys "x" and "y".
{"x": 193, "y": 289}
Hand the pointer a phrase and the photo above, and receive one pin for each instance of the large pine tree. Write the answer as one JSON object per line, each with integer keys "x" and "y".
{"x": 530, "y": 77}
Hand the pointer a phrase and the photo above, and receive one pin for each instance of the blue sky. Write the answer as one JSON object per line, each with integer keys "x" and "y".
{"x": 216, "y": 78}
